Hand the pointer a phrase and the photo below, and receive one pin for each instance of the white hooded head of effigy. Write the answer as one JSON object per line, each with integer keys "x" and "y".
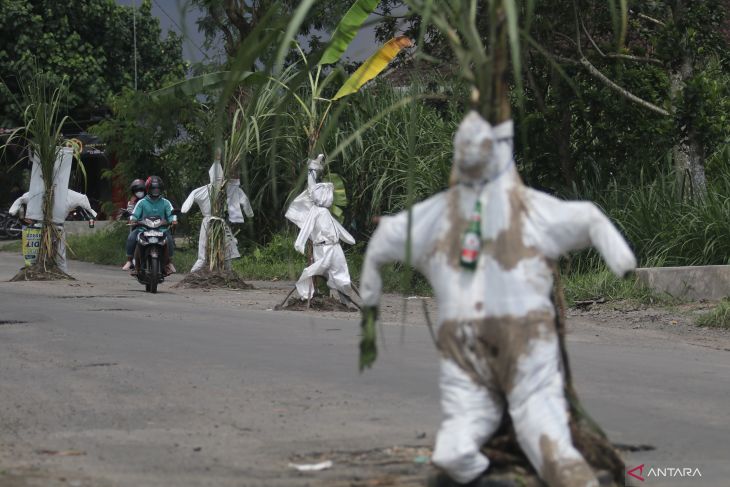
{"x": 488, "y": 246}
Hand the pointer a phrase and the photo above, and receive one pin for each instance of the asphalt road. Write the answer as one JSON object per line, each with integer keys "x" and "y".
{"x": 103, "y": 384}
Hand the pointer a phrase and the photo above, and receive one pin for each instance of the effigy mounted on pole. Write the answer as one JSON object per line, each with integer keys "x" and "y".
{"x": 489, "y": 247}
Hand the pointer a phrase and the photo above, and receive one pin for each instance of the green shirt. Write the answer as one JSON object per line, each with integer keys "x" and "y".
{"x": 147, "y": 207}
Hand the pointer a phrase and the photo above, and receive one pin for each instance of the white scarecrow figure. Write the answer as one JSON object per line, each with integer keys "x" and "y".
{"x": 235, "y": 198}
{"x": 497, "y": 337}
{"x": 310, "y": 212}
{"x": 73, "y": 200}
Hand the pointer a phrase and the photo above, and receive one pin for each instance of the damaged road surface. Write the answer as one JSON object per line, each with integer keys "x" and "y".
{"x": 104, "y": 385}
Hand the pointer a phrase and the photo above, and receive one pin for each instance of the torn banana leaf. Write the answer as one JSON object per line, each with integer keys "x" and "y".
{"x": 373, "y": 65}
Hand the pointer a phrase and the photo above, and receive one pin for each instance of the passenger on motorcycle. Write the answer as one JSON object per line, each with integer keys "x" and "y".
{"x": 138, "y": 191}
{"x": 152, "y": 205}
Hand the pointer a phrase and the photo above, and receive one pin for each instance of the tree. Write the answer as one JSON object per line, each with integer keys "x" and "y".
{"x": 677, "y": 45}
{"x": 88, "y": 41}
{"x": 602, "y": 104}
{"x": 234, "y": 20}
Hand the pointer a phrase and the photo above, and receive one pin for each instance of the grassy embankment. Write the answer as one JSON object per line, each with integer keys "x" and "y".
{"x": 279, "y": 260}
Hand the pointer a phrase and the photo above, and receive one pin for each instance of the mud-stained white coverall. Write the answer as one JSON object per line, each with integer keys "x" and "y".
{"x": 235, "y": 198}
{"x": 73, "y": 201}
{"x": 497, "y": 334}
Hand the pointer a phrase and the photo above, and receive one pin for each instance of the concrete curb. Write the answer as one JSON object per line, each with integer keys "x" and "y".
{"x": 710, "y": 282}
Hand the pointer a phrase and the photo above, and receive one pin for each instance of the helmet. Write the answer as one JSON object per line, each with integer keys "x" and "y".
{"x": 154, "y": 186}
{"x": 137, "y": 185}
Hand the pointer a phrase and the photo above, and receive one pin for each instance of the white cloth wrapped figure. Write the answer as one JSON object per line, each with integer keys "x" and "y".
{"x": 73, "y": 201}
{"x": 497, "y": 337}
{"x": 310, "y": 212}
{"x": 236, "y": 199}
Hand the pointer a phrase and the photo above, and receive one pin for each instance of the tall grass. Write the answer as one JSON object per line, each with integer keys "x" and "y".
{"x": 718, "y": 317}
{"x": 663, "y": 227}
{"x": 378, "y": 167}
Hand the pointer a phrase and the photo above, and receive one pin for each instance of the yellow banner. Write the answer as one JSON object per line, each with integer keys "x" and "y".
{"x": 31, "y": 244}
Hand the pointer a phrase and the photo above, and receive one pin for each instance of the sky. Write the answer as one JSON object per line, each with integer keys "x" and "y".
{"x": 180, "y": 16}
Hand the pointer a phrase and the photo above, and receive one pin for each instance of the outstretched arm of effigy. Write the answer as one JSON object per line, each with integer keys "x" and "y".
{"x": 188, "y": 203}
{"x": 388, "y": 244}
{"x": 245, "y": 204}
{"x": 575, "y": 225}
{"x": 75, "y": 199}
{"x": 23, "y": 200}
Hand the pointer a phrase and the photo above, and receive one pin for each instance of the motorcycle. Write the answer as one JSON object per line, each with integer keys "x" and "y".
{"x": 11, "y": 226}
{"x": 150, "y": 253}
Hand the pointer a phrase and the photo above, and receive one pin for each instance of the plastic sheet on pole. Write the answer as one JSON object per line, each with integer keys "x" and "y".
{"x": 61, "y": 176}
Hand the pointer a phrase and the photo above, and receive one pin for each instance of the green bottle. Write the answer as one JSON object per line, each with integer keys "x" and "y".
{"x": 472, "y": 242}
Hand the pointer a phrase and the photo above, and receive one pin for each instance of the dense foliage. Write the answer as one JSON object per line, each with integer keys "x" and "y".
{"x": 88, "y": 41}
{"x": 578, "y": 136}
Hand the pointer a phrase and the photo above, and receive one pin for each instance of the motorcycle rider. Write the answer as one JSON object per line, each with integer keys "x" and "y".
{"x": 138, "y": 191}
{"x": 153, "y": 204}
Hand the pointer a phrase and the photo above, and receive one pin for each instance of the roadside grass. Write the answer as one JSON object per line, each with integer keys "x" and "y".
{"x": 275, "y": 260}
{"x": 718, "y": 317}
{"x": 106, "y": 247}
{"x": 602, "y": 283}
{"x": 278, "y": 260}
{"x": 11, "y": 246}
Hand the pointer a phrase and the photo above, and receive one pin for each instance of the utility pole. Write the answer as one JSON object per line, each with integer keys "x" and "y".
{"x": 134, "y": 36}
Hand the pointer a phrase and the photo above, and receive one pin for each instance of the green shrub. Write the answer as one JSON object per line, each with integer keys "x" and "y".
{"x": 718, "y": 317}
{"x": 604, "y": 284}
{"x": 106, "y": 246}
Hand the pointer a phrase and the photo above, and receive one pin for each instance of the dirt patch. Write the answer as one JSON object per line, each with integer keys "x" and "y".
{"x": 677, "y": 320}
{"x": 35, "y": 273}
{"x": 408, "y": 466}
{"x": 213, "y": 280}
{"x": 398, "y": 466}
{"x": 317, "y": 303}
{"x": 31, "y": 476}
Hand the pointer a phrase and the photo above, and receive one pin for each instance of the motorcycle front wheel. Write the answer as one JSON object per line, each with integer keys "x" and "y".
{"x": 153, "y": 275}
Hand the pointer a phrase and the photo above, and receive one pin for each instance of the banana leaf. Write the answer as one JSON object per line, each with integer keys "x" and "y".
{"x": 209, "y": 81}
{"x": 347, "y": 30}
{"x": 340, "y": 200}
{"x": 373, "y": 65}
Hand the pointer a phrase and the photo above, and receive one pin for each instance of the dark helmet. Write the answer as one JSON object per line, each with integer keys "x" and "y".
{"x": 137, "y": 185}
{"x": 154, "y": 186}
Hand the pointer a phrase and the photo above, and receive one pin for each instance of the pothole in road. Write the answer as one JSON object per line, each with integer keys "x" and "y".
{"x": 634, "y": 448}
{"x": 98, "y": 364}
{"x": 90, "y": 296}
{"x": 12, "y": 322}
